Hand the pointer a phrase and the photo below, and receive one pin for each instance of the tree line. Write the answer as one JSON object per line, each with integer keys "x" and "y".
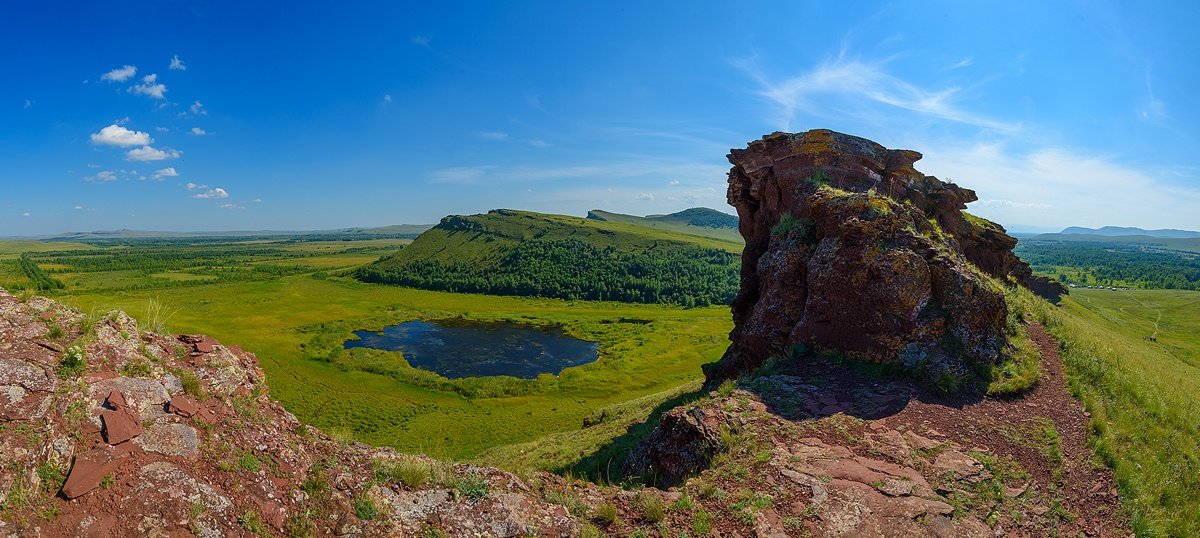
{"x": 572, "y": 269}
{"x": 1107, "y": 264}
{"x": 41, "y": 279}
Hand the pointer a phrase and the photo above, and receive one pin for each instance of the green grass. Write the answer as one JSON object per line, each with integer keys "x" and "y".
{"x": 696, "y": 221}
{"x": 1142, "y": 395}
{"x": 649, "y": 353}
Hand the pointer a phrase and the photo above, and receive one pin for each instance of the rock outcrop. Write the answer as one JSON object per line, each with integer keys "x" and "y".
{"x": 851, "y": 249}
{"x": 107, "y": 430}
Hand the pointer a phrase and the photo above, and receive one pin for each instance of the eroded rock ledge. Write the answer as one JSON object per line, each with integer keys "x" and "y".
{"x": 850, "y": 248}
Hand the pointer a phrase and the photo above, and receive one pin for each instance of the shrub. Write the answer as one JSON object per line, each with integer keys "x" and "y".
{"x": 472, "y": 486}
{"x": 606, "y": 513}
{"x": 73, "y": 363}
{"x": 365, "y": 508}
{"x": 650, "y": 505}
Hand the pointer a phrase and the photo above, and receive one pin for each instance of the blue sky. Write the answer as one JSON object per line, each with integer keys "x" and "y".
{"x": 318, "y": 116}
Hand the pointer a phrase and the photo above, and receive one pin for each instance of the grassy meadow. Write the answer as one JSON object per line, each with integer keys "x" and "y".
{"x": 1133, "y": 358}
{"x": 295, "y": 316}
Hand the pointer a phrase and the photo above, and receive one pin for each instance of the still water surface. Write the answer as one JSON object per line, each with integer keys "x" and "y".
{"x": 455, "y": 348}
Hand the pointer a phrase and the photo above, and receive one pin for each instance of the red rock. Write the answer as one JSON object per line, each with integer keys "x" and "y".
{"x": 89, "y": 469}
{"x": 116, "y": 400}
{"x": 207, "y": 415}
{"x": 183, "y": 406}
{"x": 120, "y": 425}
{"x": 204, "y": 346}
{"x": 850, "y": 248}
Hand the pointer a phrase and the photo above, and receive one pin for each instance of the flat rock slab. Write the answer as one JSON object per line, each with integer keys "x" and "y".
{"x": 14, "y": 372}
{"x": 120, "y": 425}
{"x": 183, "y": 406}
{"x": 90, "y": 468}
{"x": 170, "y": 439}
{"x": 147, "y": 397}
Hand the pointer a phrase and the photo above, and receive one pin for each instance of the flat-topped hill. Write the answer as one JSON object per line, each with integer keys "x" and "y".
{"x": 507, "y": 252}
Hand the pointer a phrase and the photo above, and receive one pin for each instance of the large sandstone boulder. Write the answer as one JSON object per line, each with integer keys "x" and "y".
{"x": 851, "y": 249}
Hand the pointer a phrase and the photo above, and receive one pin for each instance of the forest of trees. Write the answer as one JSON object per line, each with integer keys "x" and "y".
{"x": 1107, "y": 264}
{"x": 573, "y": 269}
{"x": 42, "y": 281}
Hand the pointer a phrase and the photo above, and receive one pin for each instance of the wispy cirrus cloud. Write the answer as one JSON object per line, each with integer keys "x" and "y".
{"x": 1057, "y": 187}
{"x": 843, "y": 86}
{"x": 177, "y": 64}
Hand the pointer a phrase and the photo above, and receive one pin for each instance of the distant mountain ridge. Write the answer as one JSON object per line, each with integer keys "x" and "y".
{"x": 397, "y": 230}
{"x": 700, "y": 221}
{"x": 1114, "y": 231}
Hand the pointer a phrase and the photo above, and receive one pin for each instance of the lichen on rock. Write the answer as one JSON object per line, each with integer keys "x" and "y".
{"x": 850, "y": 249}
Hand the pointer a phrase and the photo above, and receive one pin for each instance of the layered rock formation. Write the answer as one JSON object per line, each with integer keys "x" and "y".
{"x": 850, "y": 248}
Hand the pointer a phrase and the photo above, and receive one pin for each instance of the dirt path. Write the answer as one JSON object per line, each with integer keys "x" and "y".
{"x": 1045, "y": 431}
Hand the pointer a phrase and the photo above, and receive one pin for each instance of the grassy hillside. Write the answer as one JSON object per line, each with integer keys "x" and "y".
{"x": 1133, "y": 358}
{"x": 278, "y": 300}
{"x": 506, "y": 252}
{"x": 700, "y": 221}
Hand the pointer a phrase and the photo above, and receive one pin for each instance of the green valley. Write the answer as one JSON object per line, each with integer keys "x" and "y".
{"x": 506, "y": 252}
{"x": 290, "y": 302}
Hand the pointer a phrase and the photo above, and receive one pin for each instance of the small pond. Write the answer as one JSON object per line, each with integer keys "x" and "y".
{"x": 456, "y": 348}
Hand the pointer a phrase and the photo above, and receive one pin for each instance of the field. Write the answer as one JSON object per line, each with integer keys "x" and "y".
{"x": 285, "y": 302}
{"x": 1133, "y": 357}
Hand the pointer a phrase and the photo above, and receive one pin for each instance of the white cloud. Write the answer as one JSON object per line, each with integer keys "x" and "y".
{"x": 26, "y": 214}
{"x": 197, "y": 109}
{"x": 195, "y": 186}
{"x": 150, "y": 87}
{"x": 78, "y": 208}
{"x": 147, "y": 153}
{"x": 646, "y": 196}
{"x": 217, "y": 193}
{"x": 177, "y": 64}
{"x": 162, "y": 129}
{"x": 116, "y": 135}
{"x": 198, "y": 131}
{"x": 965, "y": 62}
{"x": 1059, "y": 187}
{"x": 387, "y": 97}
{"x": 165, "y": 173}
{"x": 28, "y": 104}
{"x": 257, "y": 200}
{"x": 844, "y": 87}
{"x": 493, "y": 135}
{"x": 539, "y": 143}
{"x": 673, "y": 182}
{"x": 103, "y": 176}
{"x": 120, "y": 74}
{"x": 231, "y": 206}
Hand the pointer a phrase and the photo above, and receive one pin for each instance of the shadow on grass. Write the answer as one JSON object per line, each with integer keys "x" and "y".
{"x": 604, "y": 465}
